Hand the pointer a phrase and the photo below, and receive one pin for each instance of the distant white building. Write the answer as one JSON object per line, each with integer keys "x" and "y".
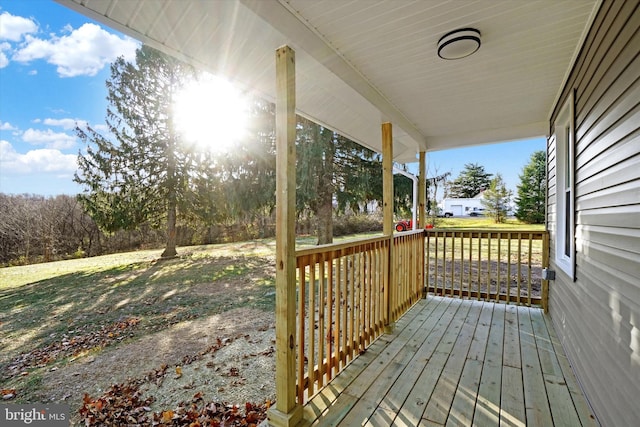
{"x": 468, "y": 207}
{"x": 461, "y": 207}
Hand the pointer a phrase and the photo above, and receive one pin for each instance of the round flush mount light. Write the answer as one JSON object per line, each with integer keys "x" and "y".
{"x": 459, "y": 43}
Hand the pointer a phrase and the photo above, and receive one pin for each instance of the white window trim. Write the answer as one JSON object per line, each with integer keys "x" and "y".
{"x": 564, "y": 134}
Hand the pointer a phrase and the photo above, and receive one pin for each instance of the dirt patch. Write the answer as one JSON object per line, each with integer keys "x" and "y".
{"x": 240, "y": 370}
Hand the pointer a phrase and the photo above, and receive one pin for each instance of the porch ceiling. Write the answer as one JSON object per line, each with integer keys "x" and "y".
{"x": 362, "y": 62}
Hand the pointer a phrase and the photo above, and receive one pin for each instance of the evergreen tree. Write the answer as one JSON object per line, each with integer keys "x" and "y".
{"x": 471, "y": 181}
{"x": 247, "y": 174}
{"x": 331, "y": 167}
{"x": 402, "y": 196}
{"x": 315, "y": 154}
{"x": 142, "y": 174}
{"x": 358, "y": 176}
{"x": 496, "y": 199}
{"x": 531, "y": 191}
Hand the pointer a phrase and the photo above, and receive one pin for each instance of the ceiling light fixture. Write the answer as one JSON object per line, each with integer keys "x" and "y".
{"x": 459, "y": 43}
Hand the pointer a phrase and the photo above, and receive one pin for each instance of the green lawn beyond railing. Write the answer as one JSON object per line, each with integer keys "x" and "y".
{"x": 492, "y": 265}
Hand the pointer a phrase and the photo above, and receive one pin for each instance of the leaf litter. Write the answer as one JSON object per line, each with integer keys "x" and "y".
{"x": 214, "y": 368}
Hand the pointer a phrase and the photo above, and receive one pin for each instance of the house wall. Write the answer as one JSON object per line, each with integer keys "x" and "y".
{"x": 597, "y": 316}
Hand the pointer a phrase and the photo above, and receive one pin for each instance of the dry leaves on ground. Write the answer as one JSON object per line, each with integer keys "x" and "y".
{"x": 72, "y": 344}
{"x": 123, "y": 404}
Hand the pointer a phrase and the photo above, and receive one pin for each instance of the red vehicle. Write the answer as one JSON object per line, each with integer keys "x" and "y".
{"x": 404, "y": 225}
{"x": 407, "y": 224}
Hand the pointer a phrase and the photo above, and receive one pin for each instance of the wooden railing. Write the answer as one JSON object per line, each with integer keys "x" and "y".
{"x": 488, "y": 265}
{"x": 345, "y": 300}
{"x": 408, "y": 272}
{"x": 349, "y": 293}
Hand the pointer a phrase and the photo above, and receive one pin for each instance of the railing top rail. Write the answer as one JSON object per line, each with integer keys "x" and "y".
{"x": 466, "y": 232}
{"x": 337, "y": 247}
{"x": 484, "y": 232}
{"x": 409, "y": 232}
{"x": 332, "y": 247}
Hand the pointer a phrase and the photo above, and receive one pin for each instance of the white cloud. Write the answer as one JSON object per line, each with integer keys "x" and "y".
{"x": 6, "y": 126}
{"x": 101, "y": 128}
{"x": 66, "y": 124}
{"x": 13, "y": 28}
{"x": 85, "y": 51}
{"x": 48, "y": 138}
{"x": 41, "y": 160}
{"x": 4, "y": 61}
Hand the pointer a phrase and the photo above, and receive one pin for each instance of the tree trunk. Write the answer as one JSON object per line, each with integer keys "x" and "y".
{"x": 325, "y": 218}
{"x": 170, "y": 249}
{"x": 325, "y": 189}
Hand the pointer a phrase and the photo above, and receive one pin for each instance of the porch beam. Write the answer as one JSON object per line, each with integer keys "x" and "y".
{"x": 286, "y": 411}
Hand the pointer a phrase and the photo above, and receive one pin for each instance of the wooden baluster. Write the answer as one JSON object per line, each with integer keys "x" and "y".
{"x": 302, "y": 319}
{"x": 499, "y": 264}
{"x": 529, "y": 270}
{"x": 489, "y": 265}
{"x": 519, "y": 264}
{"x": 509, "y": 267}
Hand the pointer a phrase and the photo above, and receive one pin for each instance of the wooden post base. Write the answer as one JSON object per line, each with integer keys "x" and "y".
{"x": 278, "y": 418}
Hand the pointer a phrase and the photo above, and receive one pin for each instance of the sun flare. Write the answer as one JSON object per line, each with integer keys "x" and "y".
{"x": 211, "y": 113}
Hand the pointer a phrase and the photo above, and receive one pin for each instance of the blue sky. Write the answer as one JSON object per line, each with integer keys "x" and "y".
{"x": 53, "y": 66}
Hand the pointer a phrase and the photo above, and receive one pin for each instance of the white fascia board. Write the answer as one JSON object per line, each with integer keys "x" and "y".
{"x": 489, "y": 136}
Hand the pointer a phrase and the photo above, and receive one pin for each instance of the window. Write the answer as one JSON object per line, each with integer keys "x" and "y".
{"x": 565, "y": 185}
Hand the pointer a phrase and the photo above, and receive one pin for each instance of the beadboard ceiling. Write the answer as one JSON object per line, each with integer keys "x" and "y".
{"x": 363, "y": 62}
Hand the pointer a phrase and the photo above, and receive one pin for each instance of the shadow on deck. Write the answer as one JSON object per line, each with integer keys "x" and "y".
{"x": 457, "y": 362}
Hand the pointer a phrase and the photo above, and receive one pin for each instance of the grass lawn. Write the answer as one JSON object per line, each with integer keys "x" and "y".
{"x": 485, "y": 223}
{"x": 57, "y": 315}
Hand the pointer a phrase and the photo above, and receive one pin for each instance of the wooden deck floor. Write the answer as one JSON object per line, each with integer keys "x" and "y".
{"x": 457, "y": 363}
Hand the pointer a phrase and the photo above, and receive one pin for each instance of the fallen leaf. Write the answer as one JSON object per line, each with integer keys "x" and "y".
{"x": 178, "y": 372}
{"x": 167, "y": 416}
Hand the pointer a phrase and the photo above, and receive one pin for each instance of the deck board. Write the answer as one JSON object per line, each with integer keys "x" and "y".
{"x": 373, "y": 396}
{"x": 535, "y": 394}
{"x": 457, "y": 362}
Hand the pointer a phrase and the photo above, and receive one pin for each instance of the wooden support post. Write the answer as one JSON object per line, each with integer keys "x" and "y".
{"x": 286, "y": 411}
{"x": 387, "y": 179}
{"x": 422, "y": 195}
{"x": 422, "y": 180}
{"x": 387, "y": 218}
